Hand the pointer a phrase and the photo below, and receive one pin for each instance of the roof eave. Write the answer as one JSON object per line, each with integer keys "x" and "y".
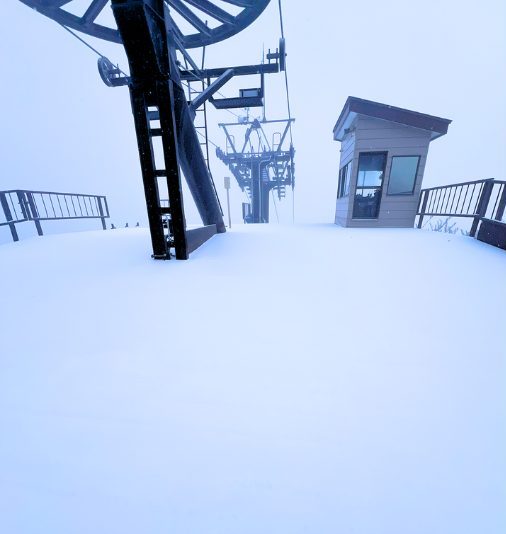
{"x": 436, "y": 125}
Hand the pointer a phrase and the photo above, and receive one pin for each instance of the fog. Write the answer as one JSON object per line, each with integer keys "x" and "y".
{"x": 64, "y": 130}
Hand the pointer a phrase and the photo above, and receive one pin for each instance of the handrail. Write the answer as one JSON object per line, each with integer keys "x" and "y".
{"x": 478, "y": 199}
{"x": 22, "y": 205}
{"x": 462, "y": 183}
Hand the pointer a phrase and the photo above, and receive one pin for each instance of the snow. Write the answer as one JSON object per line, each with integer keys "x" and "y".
{"x": 305, "y": 379}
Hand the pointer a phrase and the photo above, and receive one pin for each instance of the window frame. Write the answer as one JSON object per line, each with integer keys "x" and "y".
{"x": 416, "y": 174}
{"x": 343, "y": 172}
{"x": 380, "y": 187}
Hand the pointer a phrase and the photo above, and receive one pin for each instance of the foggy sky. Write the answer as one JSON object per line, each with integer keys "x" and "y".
{"x": 64, "y": 130}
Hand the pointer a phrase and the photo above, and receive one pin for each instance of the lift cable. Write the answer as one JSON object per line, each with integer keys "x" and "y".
{"x": 282, "y": 26}
{"x": 275, "y": 205}
{"x": 208, "y": 138}
{"x": 88, "y": 45}
{"x": 286, "y": 71}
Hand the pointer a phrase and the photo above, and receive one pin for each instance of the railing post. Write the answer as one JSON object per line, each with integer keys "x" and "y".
{"x": 33, "y": 212}
{"x": 502, "y": 205}
{"x": 100, "y": 209}
{"x": 486, "y": 192}
{"x": 421, "y": 211}
{"x": 22, "y": 204}
{"x": 8, "y": 216}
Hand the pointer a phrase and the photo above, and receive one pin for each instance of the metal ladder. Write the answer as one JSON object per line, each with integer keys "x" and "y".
{"x": 200, "y": 124}
{"x": 200, "y": 119}
{"x": 161, "y": 214}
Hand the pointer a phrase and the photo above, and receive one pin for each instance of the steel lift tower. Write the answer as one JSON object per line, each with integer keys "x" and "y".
{"x": 156, "y": 43}
{"x": 262, "y": 165}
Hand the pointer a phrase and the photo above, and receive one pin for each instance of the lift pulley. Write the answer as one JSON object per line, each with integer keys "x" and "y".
{"x": 111, "y": 74}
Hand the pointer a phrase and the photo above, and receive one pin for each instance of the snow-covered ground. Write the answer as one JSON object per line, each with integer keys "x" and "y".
{"x": 284, "y": 380}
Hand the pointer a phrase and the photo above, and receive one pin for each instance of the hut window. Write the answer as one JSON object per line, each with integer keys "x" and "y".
{"x": 371, "y": 168}
{"x": 343, "y": 188}
{"x": 403, "y": 175}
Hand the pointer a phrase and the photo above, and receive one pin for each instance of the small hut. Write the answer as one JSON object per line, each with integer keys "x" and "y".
{"x": 383, "y": 155}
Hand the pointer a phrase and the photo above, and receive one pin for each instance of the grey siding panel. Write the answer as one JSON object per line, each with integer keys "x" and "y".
{"x": 347, "y": 150}
{"x": 399, "y": 199}
{"x": 341, "y": 221}
{"x": 342, "y": 204}
{"x": 351, "y": 199}
{"x": 394, "y": 143}
{"x": 393, "y": 206}
{"x": 341, "y": 211}
{"x": 346, "y": 157}
{"x": 350, "y": 139}
{"x": 388, "y": 215}
{"x": 348, "y": 143}
{"x": 376, "y": 135}
{"x": 389, "y": 133}
{"x": 370, "y": 123}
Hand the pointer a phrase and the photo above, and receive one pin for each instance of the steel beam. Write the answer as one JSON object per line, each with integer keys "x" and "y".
{"x": 244, "y": 70}
{"x": 194, "y": 165}
{"x": 198, "y": 236}
{"x": 212, "y": 89}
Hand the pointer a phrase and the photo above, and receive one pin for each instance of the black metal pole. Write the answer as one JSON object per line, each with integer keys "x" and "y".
{"x": 35, "y": 214}
{"x": 256, "y": 192}
{"x": 8, "y": 216}
{"x": 101, "y": 211}
{"x": 486, "y": 192}
{"x": 502, "y": 204}
{"x": 421, "y": 210}
{"x": 266, "y": 189}
{"x": 193, "y": 164}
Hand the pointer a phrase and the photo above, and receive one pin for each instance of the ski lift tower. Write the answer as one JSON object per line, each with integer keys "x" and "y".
{"x": 157, "y": 36}
{"x": 263, "y": 162}
{"x": 262, "y": 165}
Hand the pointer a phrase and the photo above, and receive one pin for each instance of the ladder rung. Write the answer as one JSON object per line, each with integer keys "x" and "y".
{"x": 155, "y": 131}
{"x": 164, "y": 210}
{"x": 160, "y": 172}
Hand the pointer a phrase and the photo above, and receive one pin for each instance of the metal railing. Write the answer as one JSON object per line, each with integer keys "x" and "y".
{"x": 19, "y": 205}
{"x": 478, "y": 200}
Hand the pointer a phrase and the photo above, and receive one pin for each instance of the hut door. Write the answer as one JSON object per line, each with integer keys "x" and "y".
{"x": 371, "y": 170}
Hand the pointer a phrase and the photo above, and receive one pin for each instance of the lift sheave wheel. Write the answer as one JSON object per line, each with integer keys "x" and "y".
{"x": 196, "y": 23}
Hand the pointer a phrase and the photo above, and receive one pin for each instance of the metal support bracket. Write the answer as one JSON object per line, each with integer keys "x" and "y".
{"x": 211, "y": 89}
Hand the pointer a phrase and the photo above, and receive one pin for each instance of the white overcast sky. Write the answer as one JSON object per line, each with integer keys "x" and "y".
{"x": 63, "y": 130}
